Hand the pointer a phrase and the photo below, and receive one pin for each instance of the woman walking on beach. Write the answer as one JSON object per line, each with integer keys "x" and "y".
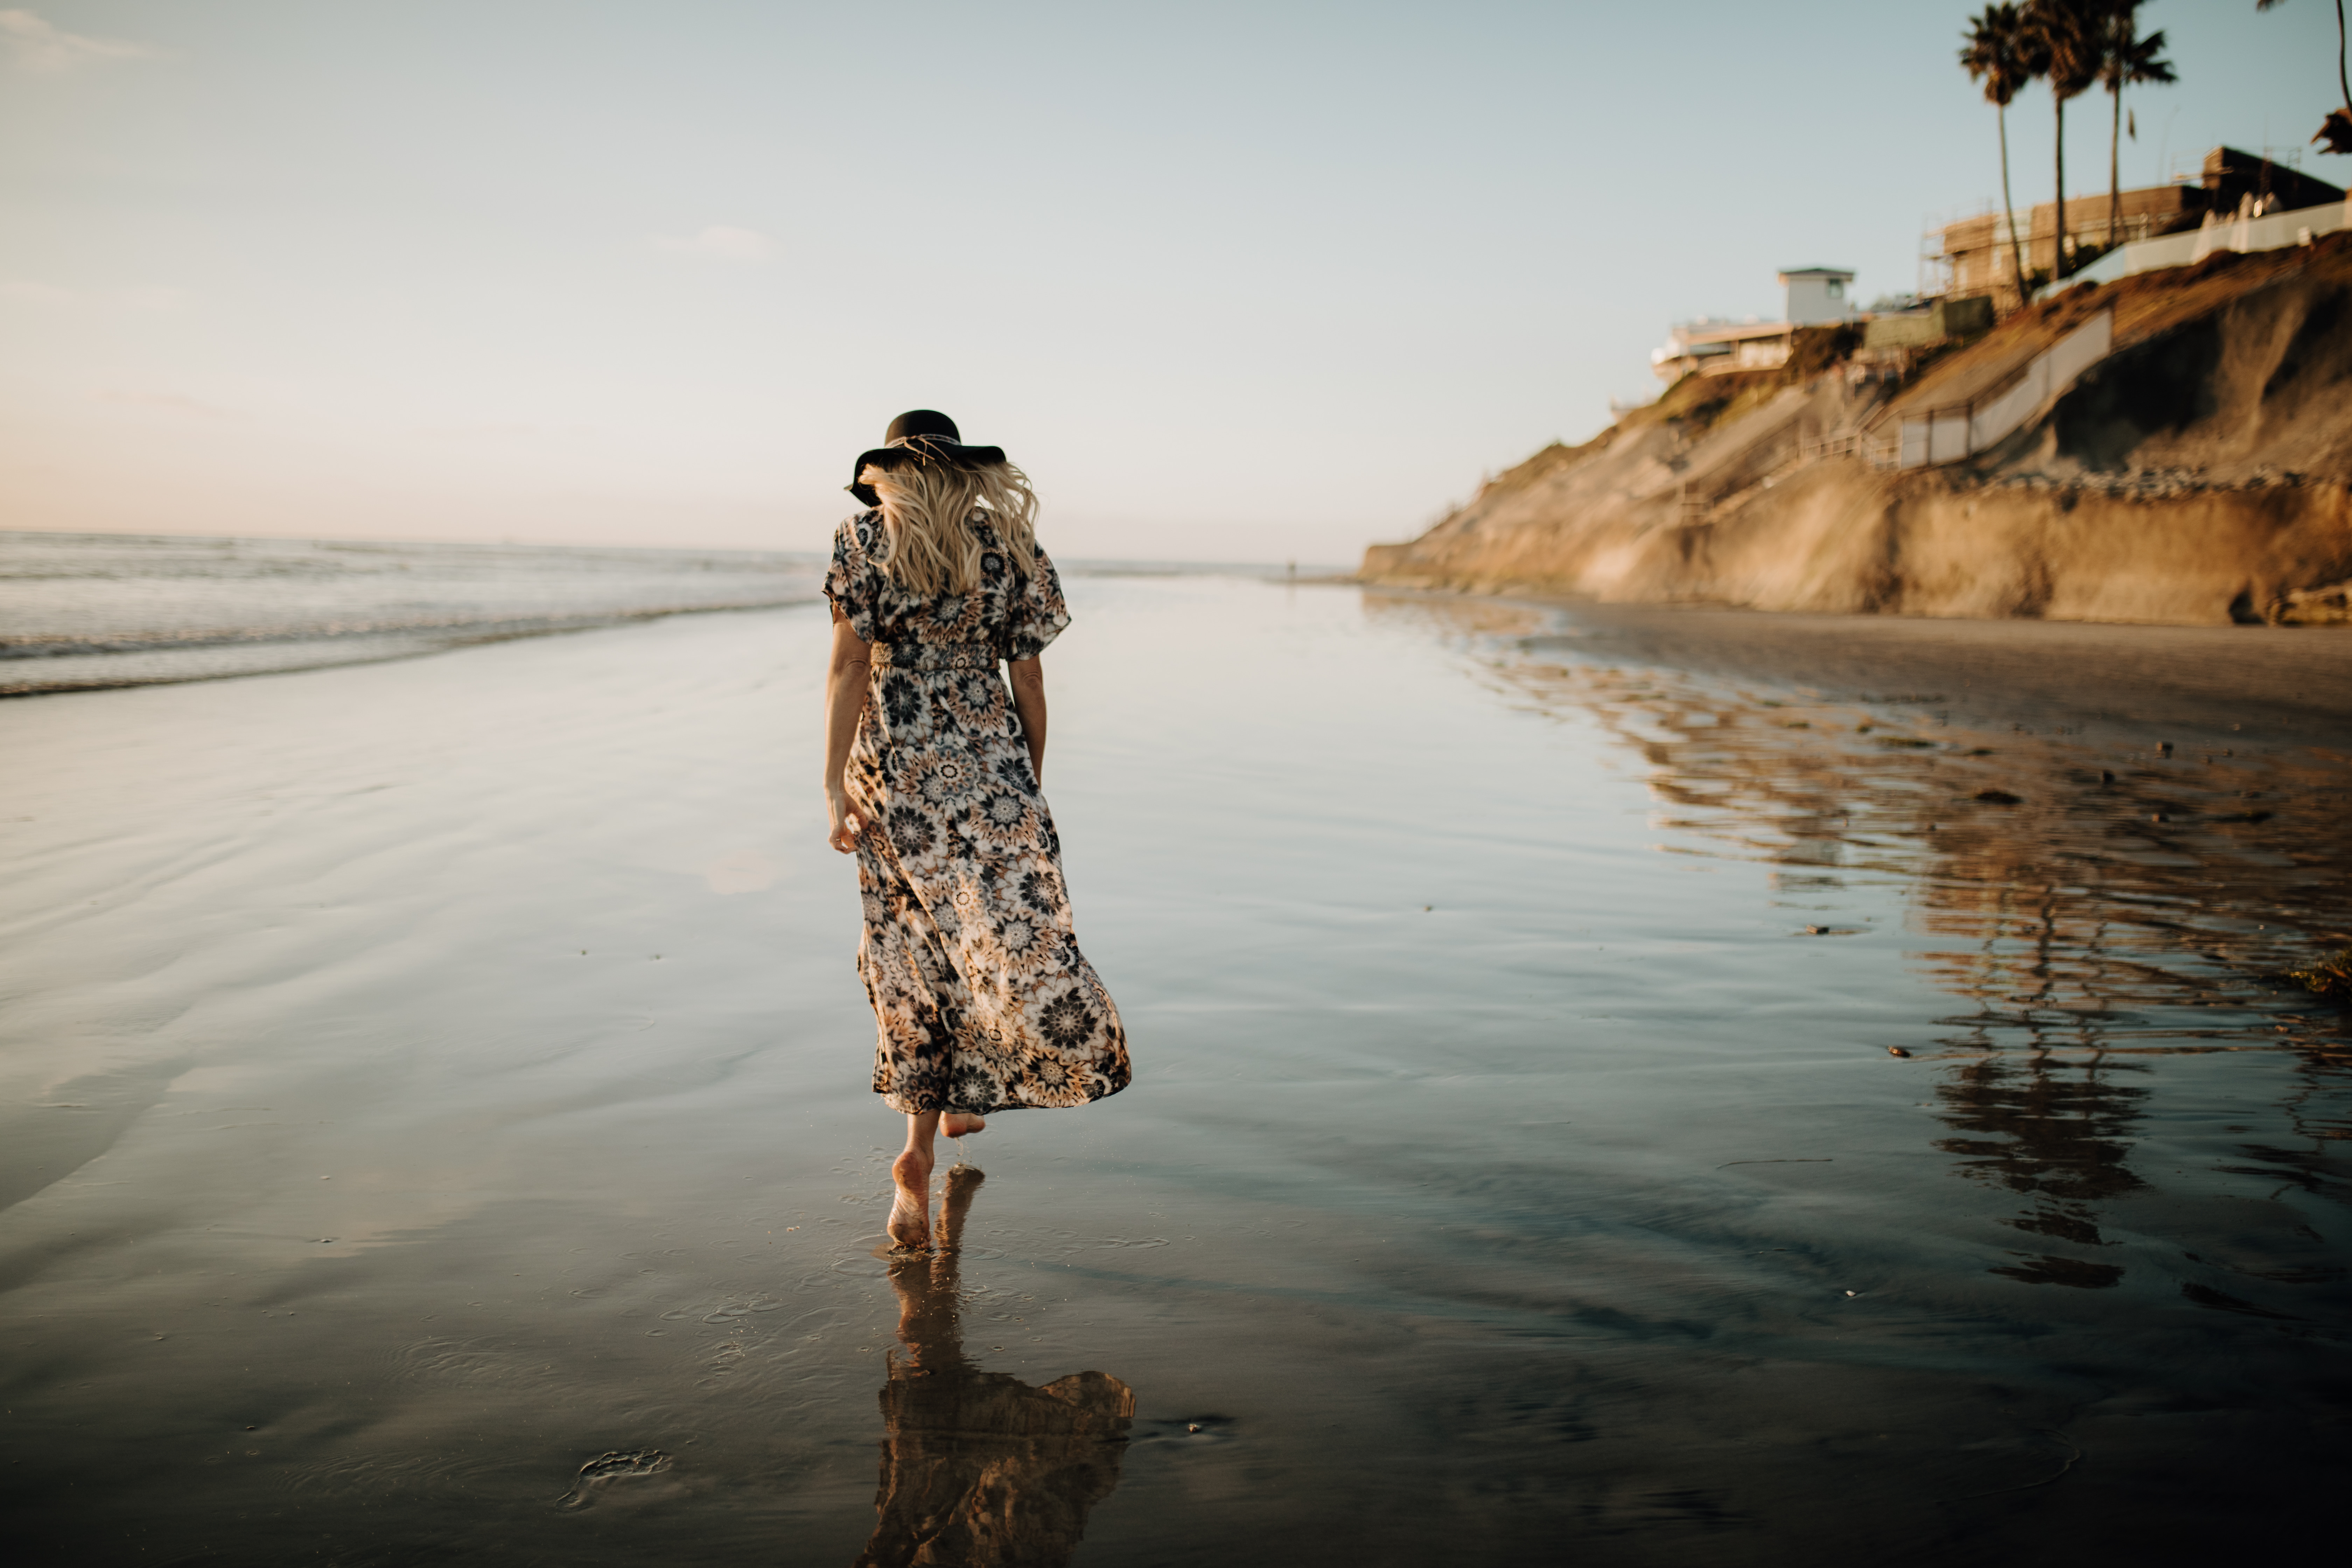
{"x": 983, "y": 1001}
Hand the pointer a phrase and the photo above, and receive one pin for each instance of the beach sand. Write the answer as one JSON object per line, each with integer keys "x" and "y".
{"x": 423, "y": 1080}
{"x": 2268, "y": 684}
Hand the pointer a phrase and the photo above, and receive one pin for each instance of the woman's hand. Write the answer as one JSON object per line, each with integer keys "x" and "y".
{"x": 846, "y": 689}
{"x": 846, "y": 825}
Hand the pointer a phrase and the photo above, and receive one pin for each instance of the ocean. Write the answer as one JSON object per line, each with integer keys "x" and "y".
{"x": 84, "y": 611}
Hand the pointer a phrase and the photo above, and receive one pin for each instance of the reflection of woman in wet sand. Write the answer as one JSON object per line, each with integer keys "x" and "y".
{"x": 979, "y": 1467}
{"x": 983, "y": 1001}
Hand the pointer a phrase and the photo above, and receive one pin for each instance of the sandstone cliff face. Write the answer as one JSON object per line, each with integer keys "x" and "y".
{"x": 2201, "y": 473}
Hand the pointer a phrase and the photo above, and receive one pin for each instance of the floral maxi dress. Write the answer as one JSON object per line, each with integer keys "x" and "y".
{"x": 981, "y": 999}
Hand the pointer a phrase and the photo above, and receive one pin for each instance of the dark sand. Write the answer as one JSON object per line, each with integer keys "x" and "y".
{"x": 2201, "y": 683}
{"x": 434, "y": 1122}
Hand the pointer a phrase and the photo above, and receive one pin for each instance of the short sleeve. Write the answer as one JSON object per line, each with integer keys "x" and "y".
{"x": 1039, "y": 614}
{"x": 849, "y": 581}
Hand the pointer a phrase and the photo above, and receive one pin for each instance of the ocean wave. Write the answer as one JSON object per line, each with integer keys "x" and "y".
{"x": 80, "y": 611}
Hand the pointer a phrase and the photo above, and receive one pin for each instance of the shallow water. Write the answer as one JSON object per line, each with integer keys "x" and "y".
{"x": 434, "y": 1122}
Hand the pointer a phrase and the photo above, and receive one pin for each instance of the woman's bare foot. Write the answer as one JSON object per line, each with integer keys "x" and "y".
{"x": 961, "y": 1124}
{"x": 910, "y": 1209}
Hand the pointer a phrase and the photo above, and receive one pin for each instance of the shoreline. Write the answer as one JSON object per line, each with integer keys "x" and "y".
{"x": 2241, "y": 683}
{"x": 334, "y": 651}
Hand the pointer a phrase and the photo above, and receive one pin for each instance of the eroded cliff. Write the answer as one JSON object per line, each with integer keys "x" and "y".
{"x": 2201, "y": 472}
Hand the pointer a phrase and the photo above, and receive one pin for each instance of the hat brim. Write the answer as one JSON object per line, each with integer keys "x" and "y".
{"x": 919, "y": 449}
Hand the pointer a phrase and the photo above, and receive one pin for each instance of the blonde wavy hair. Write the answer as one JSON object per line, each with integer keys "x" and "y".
{"x": 929, "y": 512}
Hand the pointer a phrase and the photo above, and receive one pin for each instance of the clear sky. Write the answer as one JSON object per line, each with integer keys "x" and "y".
{"x": 1232, "y": 281}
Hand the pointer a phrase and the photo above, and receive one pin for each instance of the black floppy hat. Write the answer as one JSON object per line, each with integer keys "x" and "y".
{"x": 918, "y": 436}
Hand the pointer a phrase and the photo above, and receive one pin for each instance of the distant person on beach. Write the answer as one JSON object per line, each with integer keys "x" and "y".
{"x": 982, "y": 1000}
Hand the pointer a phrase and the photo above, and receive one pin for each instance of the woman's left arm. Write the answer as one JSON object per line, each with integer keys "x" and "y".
{"x": 845, "y": 685}
{"x": 1028, "y": 677}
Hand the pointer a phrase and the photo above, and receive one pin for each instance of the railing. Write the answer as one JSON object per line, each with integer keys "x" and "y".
{"x": 1878, "y": 450}
{"x": 2272, "y": 231}
{"x": 1956, "y": 430}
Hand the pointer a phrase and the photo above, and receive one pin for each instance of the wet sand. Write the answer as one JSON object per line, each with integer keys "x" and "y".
{"x": 434, "y": 1122}
{"x": 2266, "y": 683}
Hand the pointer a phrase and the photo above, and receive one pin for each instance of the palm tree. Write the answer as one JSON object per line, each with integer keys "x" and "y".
{"x": 2066, "y": 31}
{"x": 2126, "y": 59}
{"x": 2337, "y": 129}
{"x": 2001, "y": 51}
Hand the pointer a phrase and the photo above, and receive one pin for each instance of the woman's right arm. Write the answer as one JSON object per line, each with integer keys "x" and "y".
{"x": 845, "y": 685}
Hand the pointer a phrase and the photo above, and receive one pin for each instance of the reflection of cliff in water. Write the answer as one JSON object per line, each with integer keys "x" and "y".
{"x": 2093, "y": 910}
{"x": 979, "y": 1467}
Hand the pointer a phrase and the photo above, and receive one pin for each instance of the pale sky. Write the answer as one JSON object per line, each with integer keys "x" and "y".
{"x": 1230, "y": 282}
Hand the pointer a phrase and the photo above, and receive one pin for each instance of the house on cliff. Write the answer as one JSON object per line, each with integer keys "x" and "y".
{"x": 1814, "y": 295}
{"x": 1973, "y": 255}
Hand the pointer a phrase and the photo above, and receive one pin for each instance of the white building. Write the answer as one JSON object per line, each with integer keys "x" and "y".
{"x": 1815, "y": 295}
